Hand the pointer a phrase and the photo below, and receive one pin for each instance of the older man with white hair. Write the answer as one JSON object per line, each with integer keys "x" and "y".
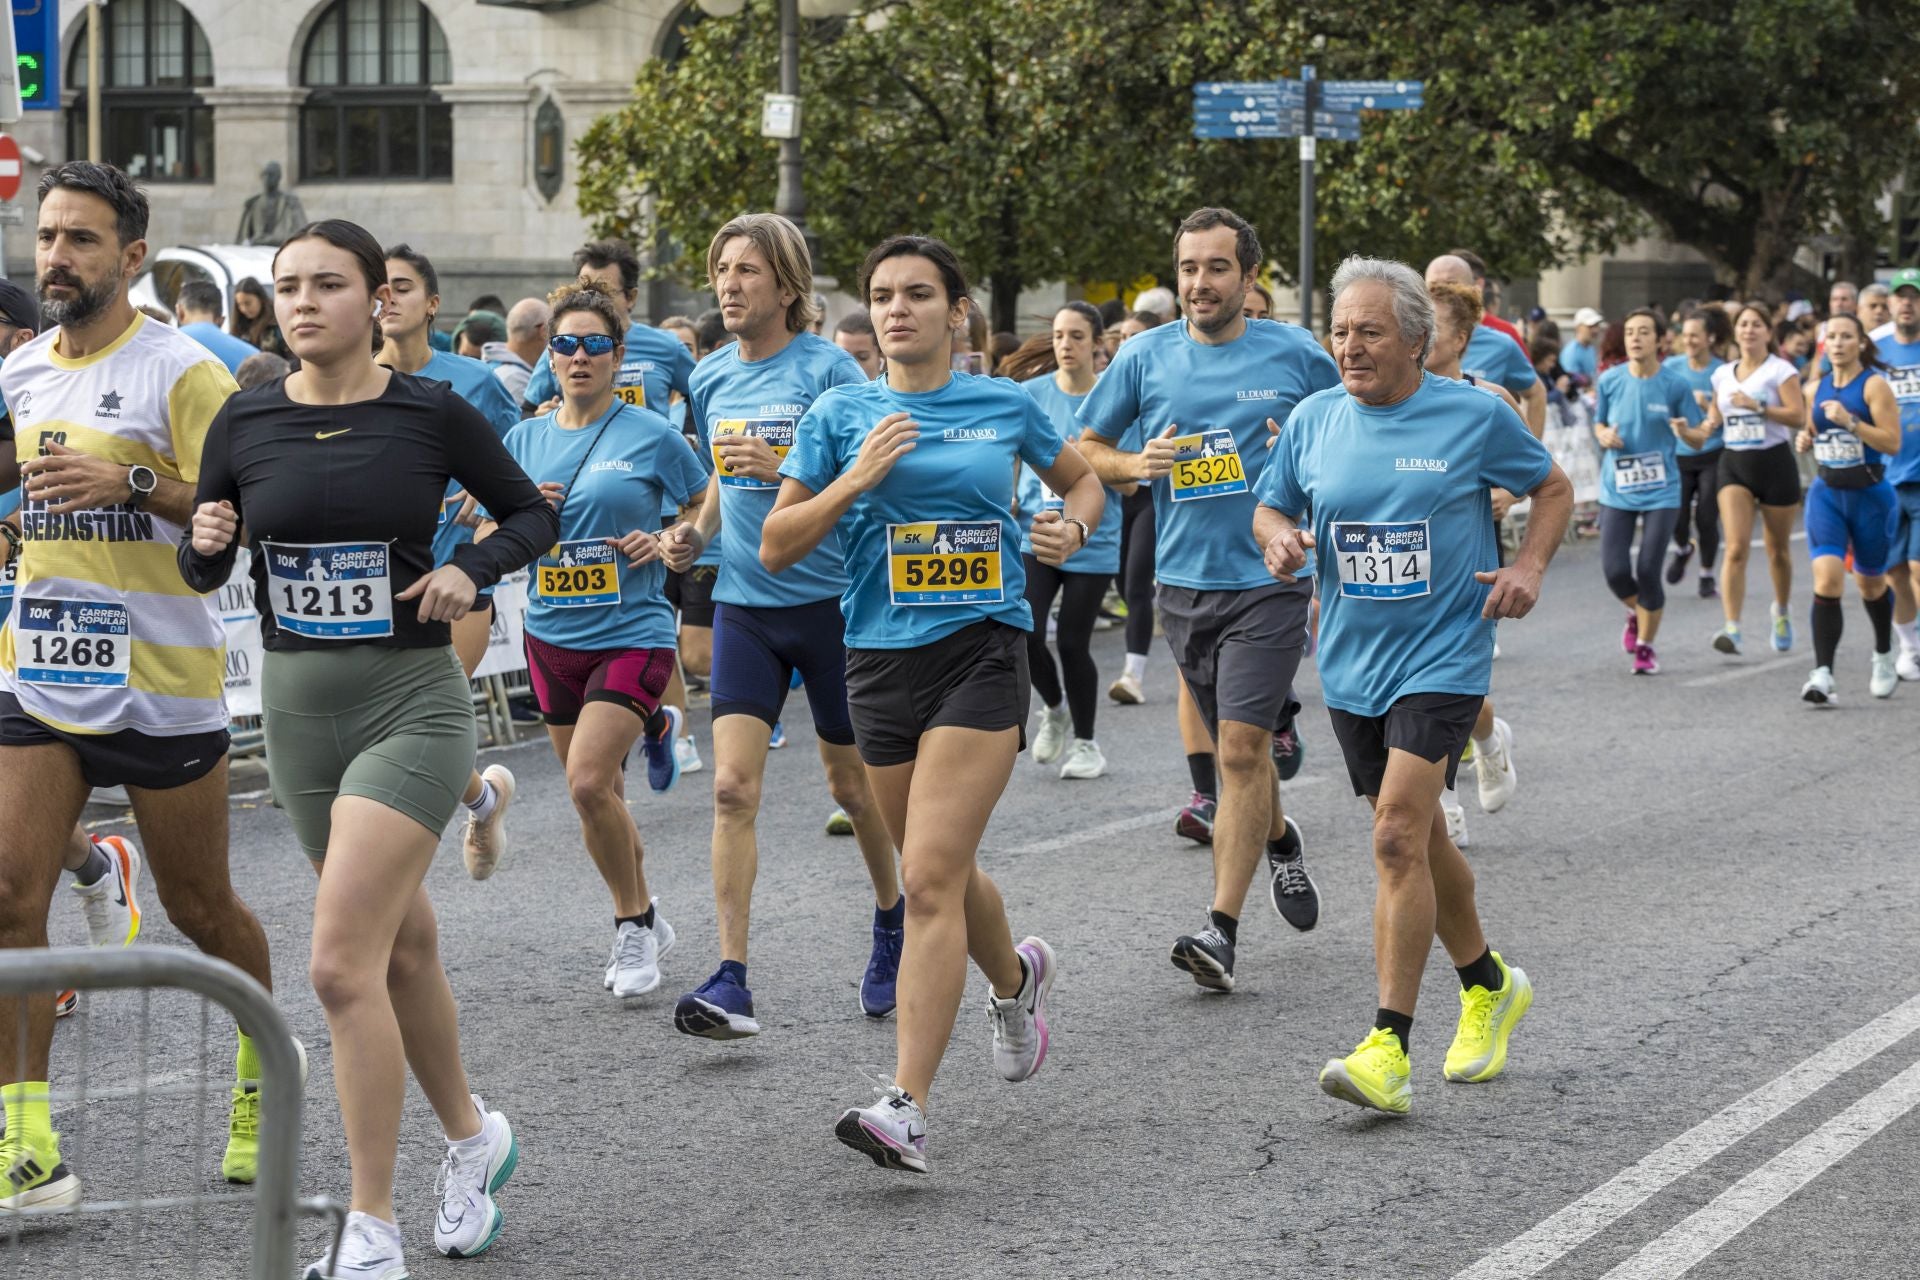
{"x": 513, "y": 360}
{"x": 1395, "y": 466}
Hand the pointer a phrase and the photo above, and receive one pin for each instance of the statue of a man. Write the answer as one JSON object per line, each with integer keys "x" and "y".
{"x": 273, "y": 215}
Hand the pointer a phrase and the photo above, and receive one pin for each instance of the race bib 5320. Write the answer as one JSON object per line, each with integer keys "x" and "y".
{"x": 576, "y": 575}
{"x": 330, "y": 590}
{"x": 945, "y": 562}
{"x": 777, "y": 432}
{"x": 1206, "y": 465}
{"x": 1639, "y": 472}
{"x": 85, "y": 642}
{"x": 1388, "y": 561}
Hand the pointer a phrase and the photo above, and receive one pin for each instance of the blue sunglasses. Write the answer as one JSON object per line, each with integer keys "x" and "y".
{"x": 597, "y": 344}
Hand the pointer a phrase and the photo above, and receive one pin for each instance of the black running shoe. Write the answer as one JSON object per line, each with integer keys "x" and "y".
{"x": 1208, "y": 956}
{"x": 1677, "y": 563}
{"x": 1289, "y": 753}
{"x": 1295, "y": 896}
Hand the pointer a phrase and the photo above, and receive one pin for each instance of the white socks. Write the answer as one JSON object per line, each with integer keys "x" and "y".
{"x": 482, "y": 808}
{"x": 1137, "y": 665}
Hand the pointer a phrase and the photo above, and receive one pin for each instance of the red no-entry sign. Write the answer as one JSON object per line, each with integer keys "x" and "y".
{"x": 10, "y": 167}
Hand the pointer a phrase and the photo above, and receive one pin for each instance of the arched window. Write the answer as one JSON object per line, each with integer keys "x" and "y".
{"x": 372, "y": 111}
{"x": 153, "y": 124}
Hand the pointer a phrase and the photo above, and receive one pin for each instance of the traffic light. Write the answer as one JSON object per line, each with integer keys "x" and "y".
{"x": 1906, "y": 228}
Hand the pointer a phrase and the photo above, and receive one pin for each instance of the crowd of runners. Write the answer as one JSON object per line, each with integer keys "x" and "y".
{"x": 753, "y": 507}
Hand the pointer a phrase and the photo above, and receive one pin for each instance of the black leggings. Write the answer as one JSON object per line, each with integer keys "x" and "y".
{"x": 1629, "y": 575}
{"x": 1080, "y": 596}
{"x": 1136, "y": 567}
{"x": 1700, "y": 498}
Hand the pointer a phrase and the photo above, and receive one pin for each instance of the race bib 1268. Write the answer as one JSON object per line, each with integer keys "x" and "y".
{"x": 73, "y": 642}
{"x": 1389, "y": 561}
{"x": 777, "y": 432}
{"x": 1206, "y": 465}
{"x": 948, "y": 562}
{"x": 330, "y": 590}
{"x": 577, "y": 575}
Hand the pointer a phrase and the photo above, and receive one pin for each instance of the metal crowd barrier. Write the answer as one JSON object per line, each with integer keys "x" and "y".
{"x": 37, "y": 1243}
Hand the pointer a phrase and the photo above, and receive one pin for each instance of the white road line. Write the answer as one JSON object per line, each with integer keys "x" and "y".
{"x": 1741, "y": 673}
{"x": 1541, "y": 1246}
{"x": 1684, "y": 1247}
{"x": 1119, "y": 826}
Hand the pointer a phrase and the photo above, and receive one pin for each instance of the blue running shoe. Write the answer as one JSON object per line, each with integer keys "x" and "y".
{"x": 779, "y": 738}
{"x": 663, "y": 762}
{"x": 1782, "y": 630}
{"x": 883, "y": 971}
{"x": 721, "y": 1009}
{"x": 794, "y": 681}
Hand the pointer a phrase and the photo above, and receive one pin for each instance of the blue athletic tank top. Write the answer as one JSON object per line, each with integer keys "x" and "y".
{"x": 1846, "y": 461}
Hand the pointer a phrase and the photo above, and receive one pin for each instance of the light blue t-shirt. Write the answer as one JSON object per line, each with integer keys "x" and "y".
{"x": 227, "y": 349}
{"x": 1403, "y": 521}
{"x": 1494, "y": 357}
{"x": 1102, "y": 552}
{"x": 1903, "y": 375}
{"x": 767, "y": 398}
{"x": 933, "y": 547}
{"x": 1203, "y": 513}
{"x": 1700, "y": 380}
{"x": 473, "y": 381}
{"x": 1578, "y": 357}
{"x": 655, "y": 365}
{"x": 1644, "y": 474}
{"x": 583, "y": 595}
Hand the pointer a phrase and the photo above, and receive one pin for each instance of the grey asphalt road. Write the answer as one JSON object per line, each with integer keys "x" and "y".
{"x": 1708, "y": 882}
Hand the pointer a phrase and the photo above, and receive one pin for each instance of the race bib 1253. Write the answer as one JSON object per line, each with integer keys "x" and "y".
{"x": 85, "y": 642}
{"x": 945, "y": 562}
{"x": 1639, "y": 472}
{"x": 1388, "y": 561}
{"x": 330, "y": 590}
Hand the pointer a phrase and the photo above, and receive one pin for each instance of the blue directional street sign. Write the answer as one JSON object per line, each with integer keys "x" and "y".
{"x": 1289, "y": 92}
{"x": 1374, "y": 95}
{"x": 1224, "y": 130}
{"x": 1337, "y": 132}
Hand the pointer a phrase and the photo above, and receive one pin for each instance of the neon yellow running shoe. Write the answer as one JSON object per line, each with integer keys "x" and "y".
{"x": 1487, "y": 1018}
{"x": 241, "y": 1163}
{"x": 839, "y": 824}
{"x": 1376, "y": 1074}
{"x": 34, "y": 1178}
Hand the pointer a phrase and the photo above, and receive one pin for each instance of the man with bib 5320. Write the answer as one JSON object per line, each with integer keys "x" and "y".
{"x": 1202, "y": 399}
{"x": 111, "y": 667}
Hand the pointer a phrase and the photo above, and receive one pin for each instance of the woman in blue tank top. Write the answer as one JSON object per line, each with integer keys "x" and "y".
{"x": 1852, "y": 424}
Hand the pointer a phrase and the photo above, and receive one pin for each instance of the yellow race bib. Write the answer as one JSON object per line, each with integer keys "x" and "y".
{"x": 578, "y": 575}
{"x": 777, "y": 432}
{"x": 1206, "y": 465}
{"x": 945, "y": 562}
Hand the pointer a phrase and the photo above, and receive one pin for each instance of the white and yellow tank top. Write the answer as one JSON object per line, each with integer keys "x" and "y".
{"x": 104, "y": 634}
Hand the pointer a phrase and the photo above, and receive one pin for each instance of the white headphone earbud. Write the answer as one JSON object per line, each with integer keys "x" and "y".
{"x": 378, "y": 306}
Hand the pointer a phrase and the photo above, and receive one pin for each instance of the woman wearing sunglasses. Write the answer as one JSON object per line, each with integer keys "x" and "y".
{"x": 600, "y": 640}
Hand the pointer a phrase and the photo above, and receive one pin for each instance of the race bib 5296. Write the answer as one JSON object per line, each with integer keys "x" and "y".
{"x": 577, "y": 575}
{"x": 777, "y": 432}
{"x": 85, "y": 642}
{"x": 945, "y": 562}
{"x": 330, "y": 590}
{"x": 1206, "y": 465}
{"x": 1388, "y": 561}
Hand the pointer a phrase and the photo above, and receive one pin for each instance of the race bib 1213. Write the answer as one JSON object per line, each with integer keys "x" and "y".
{"x": 330, "y": 590}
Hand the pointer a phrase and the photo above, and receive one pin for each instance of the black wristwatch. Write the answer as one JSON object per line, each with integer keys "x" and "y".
{"x": 141, "y": 480}
{"x": 12, "y": 537}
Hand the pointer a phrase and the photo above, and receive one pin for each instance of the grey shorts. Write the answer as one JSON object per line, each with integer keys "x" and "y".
{"x": 1238, "y": 650}
{"x": 390, "y": 725}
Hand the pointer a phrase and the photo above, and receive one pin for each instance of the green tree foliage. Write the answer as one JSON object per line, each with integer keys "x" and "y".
{"x": 1051, "y": 141}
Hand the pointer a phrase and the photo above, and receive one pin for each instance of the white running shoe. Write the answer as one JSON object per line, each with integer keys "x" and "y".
{"x": 892, "y": 1132}
{"x": 112, "y": 904}
{"x": 1127, "y": 691}
{"x": 1456, "y": 818}
{"x": 469, "y": 1220}
{"x": 486, "y": 842}
{"x": 1907, "y": 666}
{"x": 1020, "y": 1024}
{"x": 689, "y": 753}
{"x": 1084, "y": 760}
{"x": 369, "y": 1250}
{"x": 1819, "y": 688}
{"x": 1885, "y": 678}
{"x": 1493, "y": 765}
{"x": 666, "y": 944}
{"x": 636, "y": 956}
{"x": 1050, "y": 737}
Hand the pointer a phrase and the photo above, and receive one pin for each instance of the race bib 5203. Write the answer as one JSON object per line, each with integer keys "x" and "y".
{"x": 576, "y": 575}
